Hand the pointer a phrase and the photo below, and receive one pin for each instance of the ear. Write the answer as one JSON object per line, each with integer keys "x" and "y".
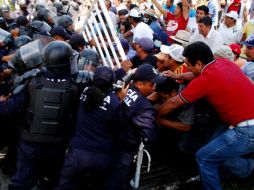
{"x": 138, "y": 84}
{"x": 174, "y": 93}
{"x": 199, "y": 64}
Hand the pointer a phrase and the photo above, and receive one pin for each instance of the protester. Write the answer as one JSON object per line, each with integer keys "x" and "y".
{"x": 236, "y": 111}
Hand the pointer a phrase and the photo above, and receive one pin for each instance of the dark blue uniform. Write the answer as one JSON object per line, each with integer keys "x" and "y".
{"x": 137, "y": 122}
{"x": 92, "y": 146}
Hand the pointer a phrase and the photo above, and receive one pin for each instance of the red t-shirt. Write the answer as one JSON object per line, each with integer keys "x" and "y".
{"x": 226, "y": 88}
{"x": 174, "y": 24}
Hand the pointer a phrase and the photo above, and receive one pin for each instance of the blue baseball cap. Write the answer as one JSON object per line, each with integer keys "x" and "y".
{"x": 249, "y": 41}
{"x": 147, "y": 72}
{"x": 103, "y": 75}
{"x": 60, "y": 31}
{"x": 146, "y": 44}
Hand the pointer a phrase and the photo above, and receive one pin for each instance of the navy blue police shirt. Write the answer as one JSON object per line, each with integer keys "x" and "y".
{"x": 137, "y": 117}
{"x": 96, "y": 129}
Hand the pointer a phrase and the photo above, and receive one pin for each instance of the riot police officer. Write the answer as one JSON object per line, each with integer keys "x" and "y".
{"x": 47, "y": 119}
{"x": 91, "y": 148}
{"x": 67, "y": 22}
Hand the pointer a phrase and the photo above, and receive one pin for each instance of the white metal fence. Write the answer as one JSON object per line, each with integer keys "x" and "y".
{"x": 98, "y": 26}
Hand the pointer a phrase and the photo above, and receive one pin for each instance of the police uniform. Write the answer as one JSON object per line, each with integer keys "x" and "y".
{"x": 137, "y": 123}
{"x": 91, "y": 148}
{"x": 47, "y": 119}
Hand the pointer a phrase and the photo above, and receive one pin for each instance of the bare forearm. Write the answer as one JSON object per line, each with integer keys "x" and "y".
{"x": 174, "y": 124}
{"x": 160, "y": 8}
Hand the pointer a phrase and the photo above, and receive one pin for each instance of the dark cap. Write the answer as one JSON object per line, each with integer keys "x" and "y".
{"x": 249, "y": 41}
{"x": 124, "y": 44}
{"x": 147, "y": 72}
{"x": 60, "y": 31}
{"x": 22, "y": 21}
{"x": 103, "y": 75}
{"x": 146, "y": 44}
{"x": 123, "y": 12}
{"x": 77, "y": 39}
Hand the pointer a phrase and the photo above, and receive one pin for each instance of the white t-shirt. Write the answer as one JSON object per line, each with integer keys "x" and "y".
{"x": 230, "y": 35}
{"x": 142, "y": 30}
{"x": 213, "y": 39}
{"x": 192, "y": 25}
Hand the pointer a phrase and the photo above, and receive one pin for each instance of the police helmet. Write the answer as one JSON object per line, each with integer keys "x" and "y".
{"x": 38, "y": 7}
{"x": 27, "y": 57}
{"x": 88, "y": 56}
{"x": 39, "y": 26}
{"x": 59, "y": 6}
{"x": 64, "y": 21}
{"x": 21, "y": 40}
{"x": 5, "y": 8}
{"x": 43, "y": 14}
{"x": 56, "y": 56}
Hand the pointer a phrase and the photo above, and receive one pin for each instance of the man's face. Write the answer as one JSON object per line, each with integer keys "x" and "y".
{"x": 200, "y": 14}
{"x": 249, "y": 51}
{"x": 203, "y": 29}
{"x": 138, "y": 50}
{"x": 146, "y": 87}
{"x": 196, "y": 69}
{"x": 168, "y": 3}
{"x": 229, "y": 21}
{"x": 177, "y": 11}
{"x": 169, "y": 62}
{"x": 122, "y": 18}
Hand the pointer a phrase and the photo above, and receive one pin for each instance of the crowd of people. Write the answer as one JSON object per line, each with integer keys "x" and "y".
{"x": 65, "y": 117}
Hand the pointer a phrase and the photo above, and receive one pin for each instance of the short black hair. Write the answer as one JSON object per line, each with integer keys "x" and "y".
{"x": 198, "y": 51}
{"x": 136, "y": 19}
{"x": 207, "y": 21}
{"x": 180, "y": 5}
{"x": 167, "y": 86}
{"x": 203, "y": 8}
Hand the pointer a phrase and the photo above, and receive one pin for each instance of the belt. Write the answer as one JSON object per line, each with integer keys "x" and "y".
{"x": 246, "y": 123}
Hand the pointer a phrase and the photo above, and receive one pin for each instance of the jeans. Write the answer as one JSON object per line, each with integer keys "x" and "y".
{"x": 226, "y": 150}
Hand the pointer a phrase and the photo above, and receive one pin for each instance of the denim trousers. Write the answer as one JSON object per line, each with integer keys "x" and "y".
{"x": 226, "y": 150}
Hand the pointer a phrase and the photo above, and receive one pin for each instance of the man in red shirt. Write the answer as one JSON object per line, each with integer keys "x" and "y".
{"x": 176, "y": 21}
{"x": 230, "y": 92}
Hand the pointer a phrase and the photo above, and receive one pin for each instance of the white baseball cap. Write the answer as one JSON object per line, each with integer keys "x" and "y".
{"x": 232, "y": 14}
{"x": 175, "y": 51}
{"x": 135, "y": 12}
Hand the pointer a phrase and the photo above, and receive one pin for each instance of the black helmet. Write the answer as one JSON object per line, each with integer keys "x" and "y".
{"x": 57, "y": 56}
{"x": 64, "y": 21}
{"x": 27, "y": 57}
{"x": 38, "y": 7}
{"x": 39, "y": 26}
{"x": 59, "y": 6}
{"x": 44, "y": 15}
{"x": 21, "y": 40}
{"x": 88, "y": 56}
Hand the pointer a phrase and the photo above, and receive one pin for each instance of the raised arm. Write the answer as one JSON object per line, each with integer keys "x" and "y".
{"x": 160, "y": 8}
{"x": 185, "y": 9}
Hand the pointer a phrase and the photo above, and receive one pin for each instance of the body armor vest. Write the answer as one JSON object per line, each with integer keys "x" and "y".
{"x": 49, "y": 113}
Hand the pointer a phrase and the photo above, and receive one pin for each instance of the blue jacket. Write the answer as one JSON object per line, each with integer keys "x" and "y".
{"x": 137, "y": 120}
{"x": 95, "y": 130}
